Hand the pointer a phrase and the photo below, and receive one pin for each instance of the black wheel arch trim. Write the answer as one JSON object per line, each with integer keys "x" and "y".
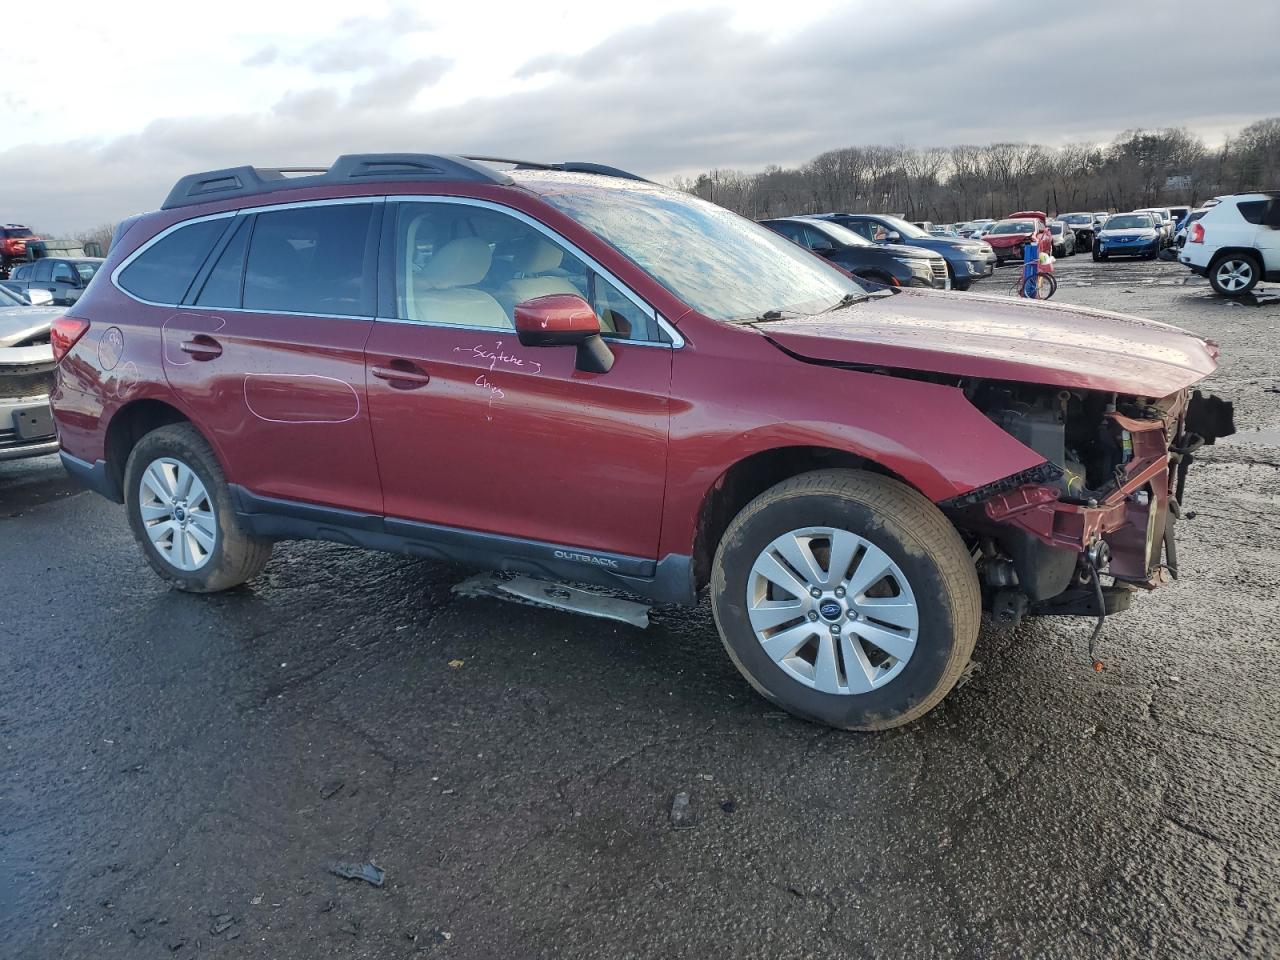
{"x": 93, "y": 476}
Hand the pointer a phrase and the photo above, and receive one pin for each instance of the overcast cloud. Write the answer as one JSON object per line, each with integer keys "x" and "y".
{"x": 685, "y": 92}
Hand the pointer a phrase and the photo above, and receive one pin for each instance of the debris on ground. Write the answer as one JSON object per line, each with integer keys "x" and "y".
{"x": 359, "y": 871}
{"x": 455, "y": 664}
{"x": 682, "y": 816}
{"x": 971, "y": 670}
{"x": 557, "y": 596}
{"x": 221, "y": 924}
{"x": 330, "y": 789}
{"x": 423, "y": 942}
{"x": 729, "y": 806}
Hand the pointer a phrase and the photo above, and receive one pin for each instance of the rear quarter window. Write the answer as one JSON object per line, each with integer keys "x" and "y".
{"x": 1255, "y": 211}
{"x": 163, "y": 272}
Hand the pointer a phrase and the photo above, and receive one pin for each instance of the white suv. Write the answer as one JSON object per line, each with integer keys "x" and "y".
{"x": 1236, "y": 243}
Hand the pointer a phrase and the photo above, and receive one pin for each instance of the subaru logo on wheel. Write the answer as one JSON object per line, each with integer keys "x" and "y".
{"x": 830, "y": 609}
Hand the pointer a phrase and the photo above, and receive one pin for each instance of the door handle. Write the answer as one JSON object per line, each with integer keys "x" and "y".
{"x": 402, "y": 375}
{"x": 201, "y": 347}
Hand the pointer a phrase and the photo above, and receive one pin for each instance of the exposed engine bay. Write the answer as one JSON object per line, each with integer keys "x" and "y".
{"x": 1105, "y": 501}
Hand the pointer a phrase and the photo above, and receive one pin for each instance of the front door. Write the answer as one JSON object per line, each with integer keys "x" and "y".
{"x": 473, "y": 430}
{"x": 268, "y": 351}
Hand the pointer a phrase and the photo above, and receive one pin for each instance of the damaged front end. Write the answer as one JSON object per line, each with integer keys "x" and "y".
{"x": 1105, "y": 502}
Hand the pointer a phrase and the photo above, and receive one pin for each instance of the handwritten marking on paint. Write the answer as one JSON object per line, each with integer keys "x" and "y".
{"x": 495, "y": 393}
{"x": 497, "y": 355}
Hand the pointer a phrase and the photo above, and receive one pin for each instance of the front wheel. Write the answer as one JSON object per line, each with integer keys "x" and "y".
{"x": 1234, "y": 274}
{"x": 182, "y": 516}
{"x": 846, "y": 598}
{"x": 1046, "y": 286}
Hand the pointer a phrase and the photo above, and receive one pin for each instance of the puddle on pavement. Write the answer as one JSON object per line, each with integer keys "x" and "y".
{"x": 1266, "y": 437}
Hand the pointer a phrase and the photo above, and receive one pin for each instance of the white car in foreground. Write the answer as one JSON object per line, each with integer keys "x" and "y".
{"x": 1236, "y": 244}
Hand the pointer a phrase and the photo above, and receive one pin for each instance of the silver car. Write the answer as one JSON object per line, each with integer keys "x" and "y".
{"x": 26, "y": 377}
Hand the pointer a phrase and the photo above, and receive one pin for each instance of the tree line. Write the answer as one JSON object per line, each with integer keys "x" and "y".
{"x": 1141, "y": 168}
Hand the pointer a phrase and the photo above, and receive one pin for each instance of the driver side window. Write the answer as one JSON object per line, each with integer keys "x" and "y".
{"x": 463, "y": 265}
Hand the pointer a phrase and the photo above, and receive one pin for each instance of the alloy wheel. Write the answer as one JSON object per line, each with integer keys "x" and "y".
{"x": 1235, "y": 274}
{"x": 177, "y": 513}
{"x": 832, "y": 610}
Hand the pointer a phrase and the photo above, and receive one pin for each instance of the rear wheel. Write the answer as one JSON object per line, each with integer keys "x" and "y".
{"x": 182, "y": 516}
{"x": 1234, "y": 274}
{"x": 846, "y": 598}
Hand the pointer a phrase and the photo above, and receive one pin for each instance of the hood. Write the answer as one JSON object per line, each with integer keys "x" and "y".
{"x": 909, "y": 250}
{"x": 21, "y": 324}
{"x": 1004, "y": 339}
{"x": 1007, "y": 239}
{"x": 934, "y": 243}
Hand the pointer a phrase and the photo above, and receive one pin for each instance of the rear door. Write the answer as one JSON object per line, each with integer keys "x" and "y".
{"x": 474, "y": 431}
{"x": 267, "y": 351}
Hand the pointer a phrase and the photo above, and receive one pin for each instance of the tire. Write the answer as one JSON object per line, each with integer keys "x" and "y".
{"x": 1235, "y": 274}
{"x": 1046, "y": 286}
{"x": 932, "y": 572}
{"x": 961, "y": 285}
{"x": 210, "y": 550}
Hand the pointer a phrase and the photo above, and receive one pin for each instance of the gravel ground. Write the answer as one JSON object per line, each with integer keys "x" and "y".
{"x": 178, "y": 772}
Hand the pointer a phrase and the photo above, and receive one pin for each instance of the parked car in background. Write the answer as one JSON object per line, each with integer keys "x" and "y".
{"x": 1164, "y": 220}
{"x": 1178, "y": 214}
{"x": 1180, "y": 237}
{"x": 63, "y": 279}
{"x": 1008, "y": 237}
{"x": 944, "y": 230}
{"x": 14, "y": 238}
{"x": 1130, "y": 235}
{"x": 1083, "y": 226}
{"x": 1064, "y": 239}
{"x": 967, "y": 260}
{"x": 432, "y": 355}
{"x": 26, "y": 378}
{"x": 973, "y": 227}
{"x": 1236, "y": 243}
{"x": 890, "y": 264}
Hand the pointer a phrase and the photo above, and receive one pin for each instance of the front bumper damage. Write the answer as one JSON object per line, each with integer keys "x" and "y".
{"x": 1044, "y": 552}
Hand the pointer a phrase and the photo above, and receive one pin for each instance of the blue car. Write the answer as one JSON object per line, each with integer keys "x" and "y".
{"x": 1129, "y": 235}
{"x": 967, "y": 260}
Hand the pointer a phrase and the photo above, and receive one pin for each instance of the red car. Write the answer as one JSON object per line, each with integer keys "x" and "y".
{"x": 1009, "y": 236}
{"x": 568, "y": 371}
{"x": 14, "y": 238}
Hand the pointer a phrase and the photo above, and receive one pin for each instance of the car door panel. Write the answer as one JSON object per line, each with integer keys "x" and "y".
{"x": 515, "y": 440}
{"x": 474, "y": 430}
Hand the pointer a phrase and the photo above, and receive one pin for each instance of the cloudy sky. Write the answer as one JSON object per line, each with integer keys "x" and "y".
{"x": 102, "y": 112}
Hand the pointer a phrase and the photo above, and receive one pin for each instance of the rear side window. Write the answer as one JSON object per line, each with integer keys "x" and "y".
{"x": 165, "y": 270}
{"x": 222, "y": 289}
{"x": 316, "y": 260}
{"x": 1261, "y": 212}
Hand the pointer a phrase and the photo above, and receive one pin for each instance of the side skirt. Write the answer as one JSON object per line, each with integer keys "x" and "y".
{"x": 669, "y": 580}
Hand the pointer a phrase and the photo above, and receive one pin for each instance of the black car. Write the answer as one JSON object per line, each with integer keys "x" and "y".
{"x": 968, "y": 260}
{"x": 1083, "y": 226}
{"x": 64, "y": 278}
{"x": 889, "y": 264}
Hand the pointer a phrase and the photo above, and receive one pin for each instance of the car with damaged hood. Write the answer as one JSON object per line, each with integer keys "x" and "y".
{"x": 1010, "y": 236}
{"x": 565, "y": 371}
{"x": 26, "y": 378}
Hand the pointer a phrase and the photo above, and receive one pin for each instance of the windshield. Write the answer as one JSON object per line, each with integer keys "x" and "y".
{"x": 720, "y": 264}
{"x": 1056, "y": 228}
{"x": 841, "y": 234}
{"x": 1077, "y": 218}
{"x": 85, "y": 268}
{"x": 16, "y": 232}
{"x": 909, "y": 231}
{"x": 1130, "y": 221}
{"x": 1014, "y": 226}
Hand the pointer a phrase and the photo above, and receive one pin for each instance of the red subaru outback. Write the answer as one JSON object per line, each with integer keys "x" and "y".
{"x": 568, "y": 371}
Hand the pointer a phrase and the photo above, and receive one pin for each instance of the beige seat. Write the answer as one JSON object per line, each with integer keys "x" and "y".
{"x": 442, "y": 291}
{"x": 535, "y": 258}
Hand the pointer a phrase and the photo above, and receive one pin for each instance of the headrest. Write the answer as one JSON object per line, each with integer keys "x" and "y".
{"x": 535, "y": 255}
{"x": 459, "y": 263}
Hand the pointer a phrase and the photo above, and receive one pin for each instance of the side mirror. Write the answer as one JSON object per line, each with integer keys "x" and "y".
{"x": 893, "y": 236}
{"x": 824, "y": 251}
{"x": 38, "y": 298}
{"x": 564, "y": 319}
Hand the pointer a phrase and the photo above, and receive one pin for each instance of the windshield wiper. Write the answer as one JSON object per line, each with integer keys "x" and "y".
{"x": 848, "y": 300}
{"x": 768, "y": 315}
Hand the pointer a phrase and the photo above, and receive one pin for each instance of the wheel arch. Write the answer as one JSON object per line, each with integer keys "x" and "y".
{"x": 749, "y": 477}
{"x": 128, "y": 425}
{"x": 1252, "y": 253}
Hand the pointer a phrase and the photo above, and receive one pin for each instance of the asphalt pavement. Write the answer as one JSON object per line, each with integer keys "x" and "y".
{"x": 180, "y": 773}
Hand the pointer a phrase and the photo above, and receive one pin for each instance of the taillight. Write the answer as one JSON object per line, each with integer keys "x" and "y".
{"x": 1196, "y": 233}
{"x": 64, "y": 334}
